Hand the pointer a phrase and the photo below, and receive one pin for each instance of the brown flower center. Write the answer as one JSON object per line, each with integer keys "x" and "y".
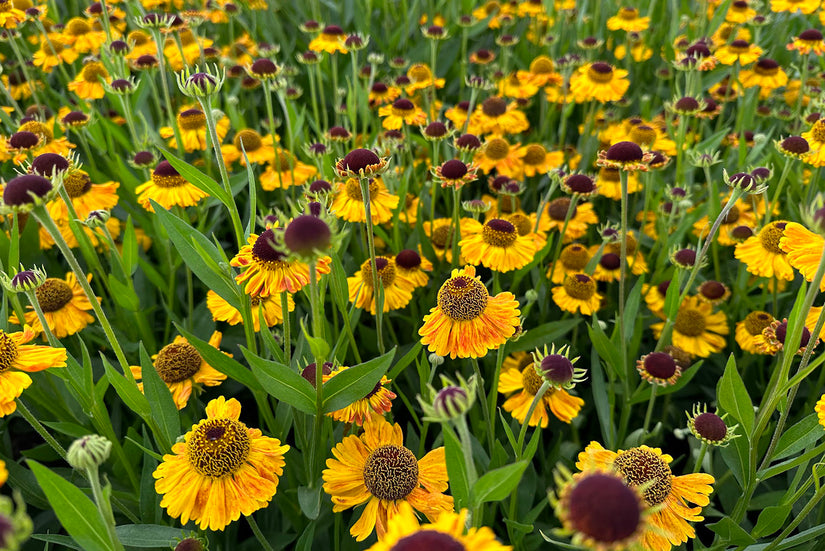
{"x": 463, "y": 298}
{"x": 177, "y": 362}
{"x": 93, "y": 72}
{"x": 542, "y": 65}
{"x": 818, "y": 131}
{"x": 642, "y": 134}
{"x": 733, "y": 215}
{"x": 600, "y": 72}
{"x": 264, "y": 250}
{"x": 77, "y": 184}
{"x": 386, "y": 271}
{"x": 690, "y": 322}
{"x": 497, "y": 149}
{"x": 755, "y": 322}
{"x": 530, "y": 380}
{"x": 557, "y": 209}
{"x": 628, "y": 14}
{"x": 192, "y": 119}
{"x": 353, "y": 189}
{"x": 428, "y": 539}
{"x": 499, "y": 233}
{"x": 53, "y": 295}
{"x": 535, "y": 155}
{"x": 640, "y": 466}
{"x": 574, "y": 257}
{"x": 78, "y": 27}
{"x": 494, "y": 107}
{"x": 391, "y": 472}
{"x": 580, "y": 286}
{"x": 250, "y": 139}
{"x": 770, "y": 236}
{"x": 8, "y": 352}
{"x": 522, "y": 223}
{"x": 37, "y": 127}
{"x": 218, "y": 447}
{"x": 442, "y": 236}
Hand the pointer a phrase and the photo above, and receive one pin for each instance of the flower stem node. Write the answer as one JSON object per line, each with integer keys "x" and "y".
{"x": 89, "y": 452}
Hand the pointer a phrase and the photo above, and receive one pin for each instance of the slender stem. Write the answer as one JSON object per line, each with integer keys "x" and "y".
{"x": 53, "y": 342}
{"x": 216, "y": 144}
{"x": 699, "y": 458}
{"x": 22, "y": 62}
{"x": 820, "y": 493}
{"x": 258, "y": 534}
{"x": 623, "y": 277}
{"x": 377, "y": 284}
{"x": 42, "y": 216}
{"x": 649, "y": 412}
{"x": 170, "y": 113}
{"x": 491, "y": 397}
{"x": 40, "y": 429}
{"x": 536, "y": 400}
{"x": 480, "y": 389}
{"x": 103, "y": 506}
{"x": 318, "y": 333}
{"x": 455, "y": 231}
{"x": 286, "y": 322}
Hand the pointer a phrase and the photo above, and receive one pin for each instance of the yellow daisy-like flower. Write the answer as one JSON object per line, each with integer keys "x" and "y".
{"x": 48, "y": 143}
{"x": 52, "y": 53}
{"x": 348, "y": 202}
{"x": 286, "y": 171}
{"x": 649, "y": 470}
{"x": 654, "y": 296}
{"x": 82, "y": 36}
{"x": 740, "y": 12}
{"x": 495, "y": 116}
{"x": 88, "y": 82}
{"x": 697, "y": 330}
{"x": 265, "y": 270}
{"x": 10, "y": 16}
{"x": 582, "y": 217}
{"x": 610, "y": 184}
{"x": 577, "y": 294}
{"x": 221, "y": 470}
{"x": 740, "y": 214}
{"x": 421, "y": 78}
{"x": 536, "y": 160}
{"x": 467, "y": 322}
{"x": 496, "y": 244}
{"x": 804, "y": 250}
{"x": 401, "y": 112}
{"x": 259, "y": 149}
{"x": 330, "y": 40}
{"x": 192, "y": 126}
{"x": 738, "y": 51}
{"x": 599, "y": 81}
{"x": 182, "y": 368}
{"x": 16, "y": 358}
{"x": 64, "y": 306}
{"x": 519, "y": 85}
{"x": 375, "y": 468}
{"x": 168, "y": 189}
{"x": 411, "y": 266}
{"x": 766, "y": 74}
{"x": 809, "y": 41}
{"x": 518, "y": 374}
{"x": 748, "y": 332}
{"x": 763, "y": 255}
{"x": 820, "y": 410}
{"x": 497, "y": 153}
{"x": 440, "y": 233}
{"x": 377, "y": 402}
{"x": 816, "y": 141}
{"x": 792, "y": 6}
{"x": 449, "y": 531}
{"x": 628, "y": 19}
{"x": 271, "y": 305}
{"x": 397, "y": 291}
{"x": 572, "y": 260}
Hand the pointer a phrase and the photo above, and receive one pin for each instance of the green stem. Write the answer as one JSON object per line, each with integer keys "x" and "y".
{"x": 40, "y": 429}
{"x": 455, "y": 231}
{"x": 487, "y": 419}
{"x": 536, "y": 400}
{"x": 649, "y": 412}
{"x": 170, "y": 113}
{"x": 258, "y": 534}
{"x": 820, "y": 493}
{"x": 286, "y": 323}
{"x": 103, "y": 506}
{"x": 53, "y": 342}
{"x": 702, "y": 451}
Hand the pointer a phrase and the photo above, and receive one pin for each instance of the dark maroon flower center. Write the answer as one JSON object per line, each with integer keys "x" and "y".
{"x": 604, "y": 509}
{"x": 359, "y": 159}
{"x": 710, "y": 426}
{"x": 453, "y": 169}
{"x": 408, "y": 259}
{"x": 660, "y": 365}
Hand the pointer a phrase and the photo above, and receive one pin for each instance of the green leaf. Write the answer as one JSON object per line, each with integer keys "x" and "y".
{"x": 687, "y": 375}
{"x": 600, "y": 398}
{"x": 220, "y": 361}
{"x": 65, "y": 541}
{"x": 281, "y": 382}
{"x": 76, "y": 512}
{"x": 309, "y": 500}
{"x": 456, "y": 467}
{"x": 202, "y": 259}
{"x": 317, "y": 346}
{"x": 405, "y": 360}
{"x": 164, "y": 410}
{"x": 124, "y": 295}
{"x": 731, "y": 533}
{"x": 733, "y": 397}
{"x": 356, "y": 382}
{"x": 127, "y": 390}
{"x": 129, "y": 252}
{"x": 196, "y": 177}
{"x": 771, "y": 519}
{"x": 498, "y": 483}
{"x": 148, "y": 535}
{"x": 737, "y": 457}
{"x": 606, "y": 350}
{"x": 798, "y": 437}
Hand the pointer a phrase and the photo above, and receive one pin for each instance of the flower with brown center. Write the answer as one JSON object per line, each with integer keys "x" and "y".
{"x": 710, "y": 428}
{"x": 577, "y": 294}
{"x": 659, "y": 368}
{"x": 397, "y": 291}
{"x": 496, "y": 244}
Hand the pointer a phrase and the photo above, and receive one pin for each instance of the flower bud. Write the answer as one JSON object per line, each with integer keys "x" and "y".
{"x": 89, "y": 452}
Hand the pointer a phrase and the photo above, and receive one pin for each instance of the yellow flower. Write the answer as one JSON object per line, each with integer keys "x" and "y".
{"x": 397, "y": 291}
{"x": 804, "y": 250}
{"x": 599, "y": 81}
{"x": 378, "y": 401}
{"x": 763, "y": 255}
{"x": 375, "y": 468}
{"x": 168, "y": 189}
{"x": 441, "y": 236}
{"x": 80, "y": 34}
{"x": 496, "y": 244}
{"x": 401, "y": 112}
{"x": 740, "y": 12}
{"x": 285, "y": 171}
{"x": 348, "y": 202}
{"x": 411, "y": 266}
{"x": 738, "y": 51}
{"x": 648, "y": 469}
{"x": 809, "y": 41}
{"x": 748, "y": 332}
{"x": 221, "y": 470}
{"x": 259, "y": 149}
{"x": 52, "y": 53}
{"x": 271, "y": 305}
{"x": 16, "y": 358}
{"x": 628, "y": 20}
{"x": 10, "y": 16}
{"x": 449, "y": 531}
{"x": 497, "y": 153}
{"x": 181, "y": 367}
{"x": 264, "y": 270}
{"x": 495, "y": 116}
{"x": 582, "y": 217}
{"x": 766, "y": 74}
{"x": 87, "y": 84}
{"x": 697, "y": 330}
{"x": 792, "y": 6}
{"x": 64, "y": 306}
{"x": 193, "y": 130}
{"x": 330, "y": 40}
{"x": 816, "y": 141}
{"x": 820, "y": 410}
{"x": 466, "y": 321}
{"x": 518, "y": 374}
{"x": 577, "y": 294}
